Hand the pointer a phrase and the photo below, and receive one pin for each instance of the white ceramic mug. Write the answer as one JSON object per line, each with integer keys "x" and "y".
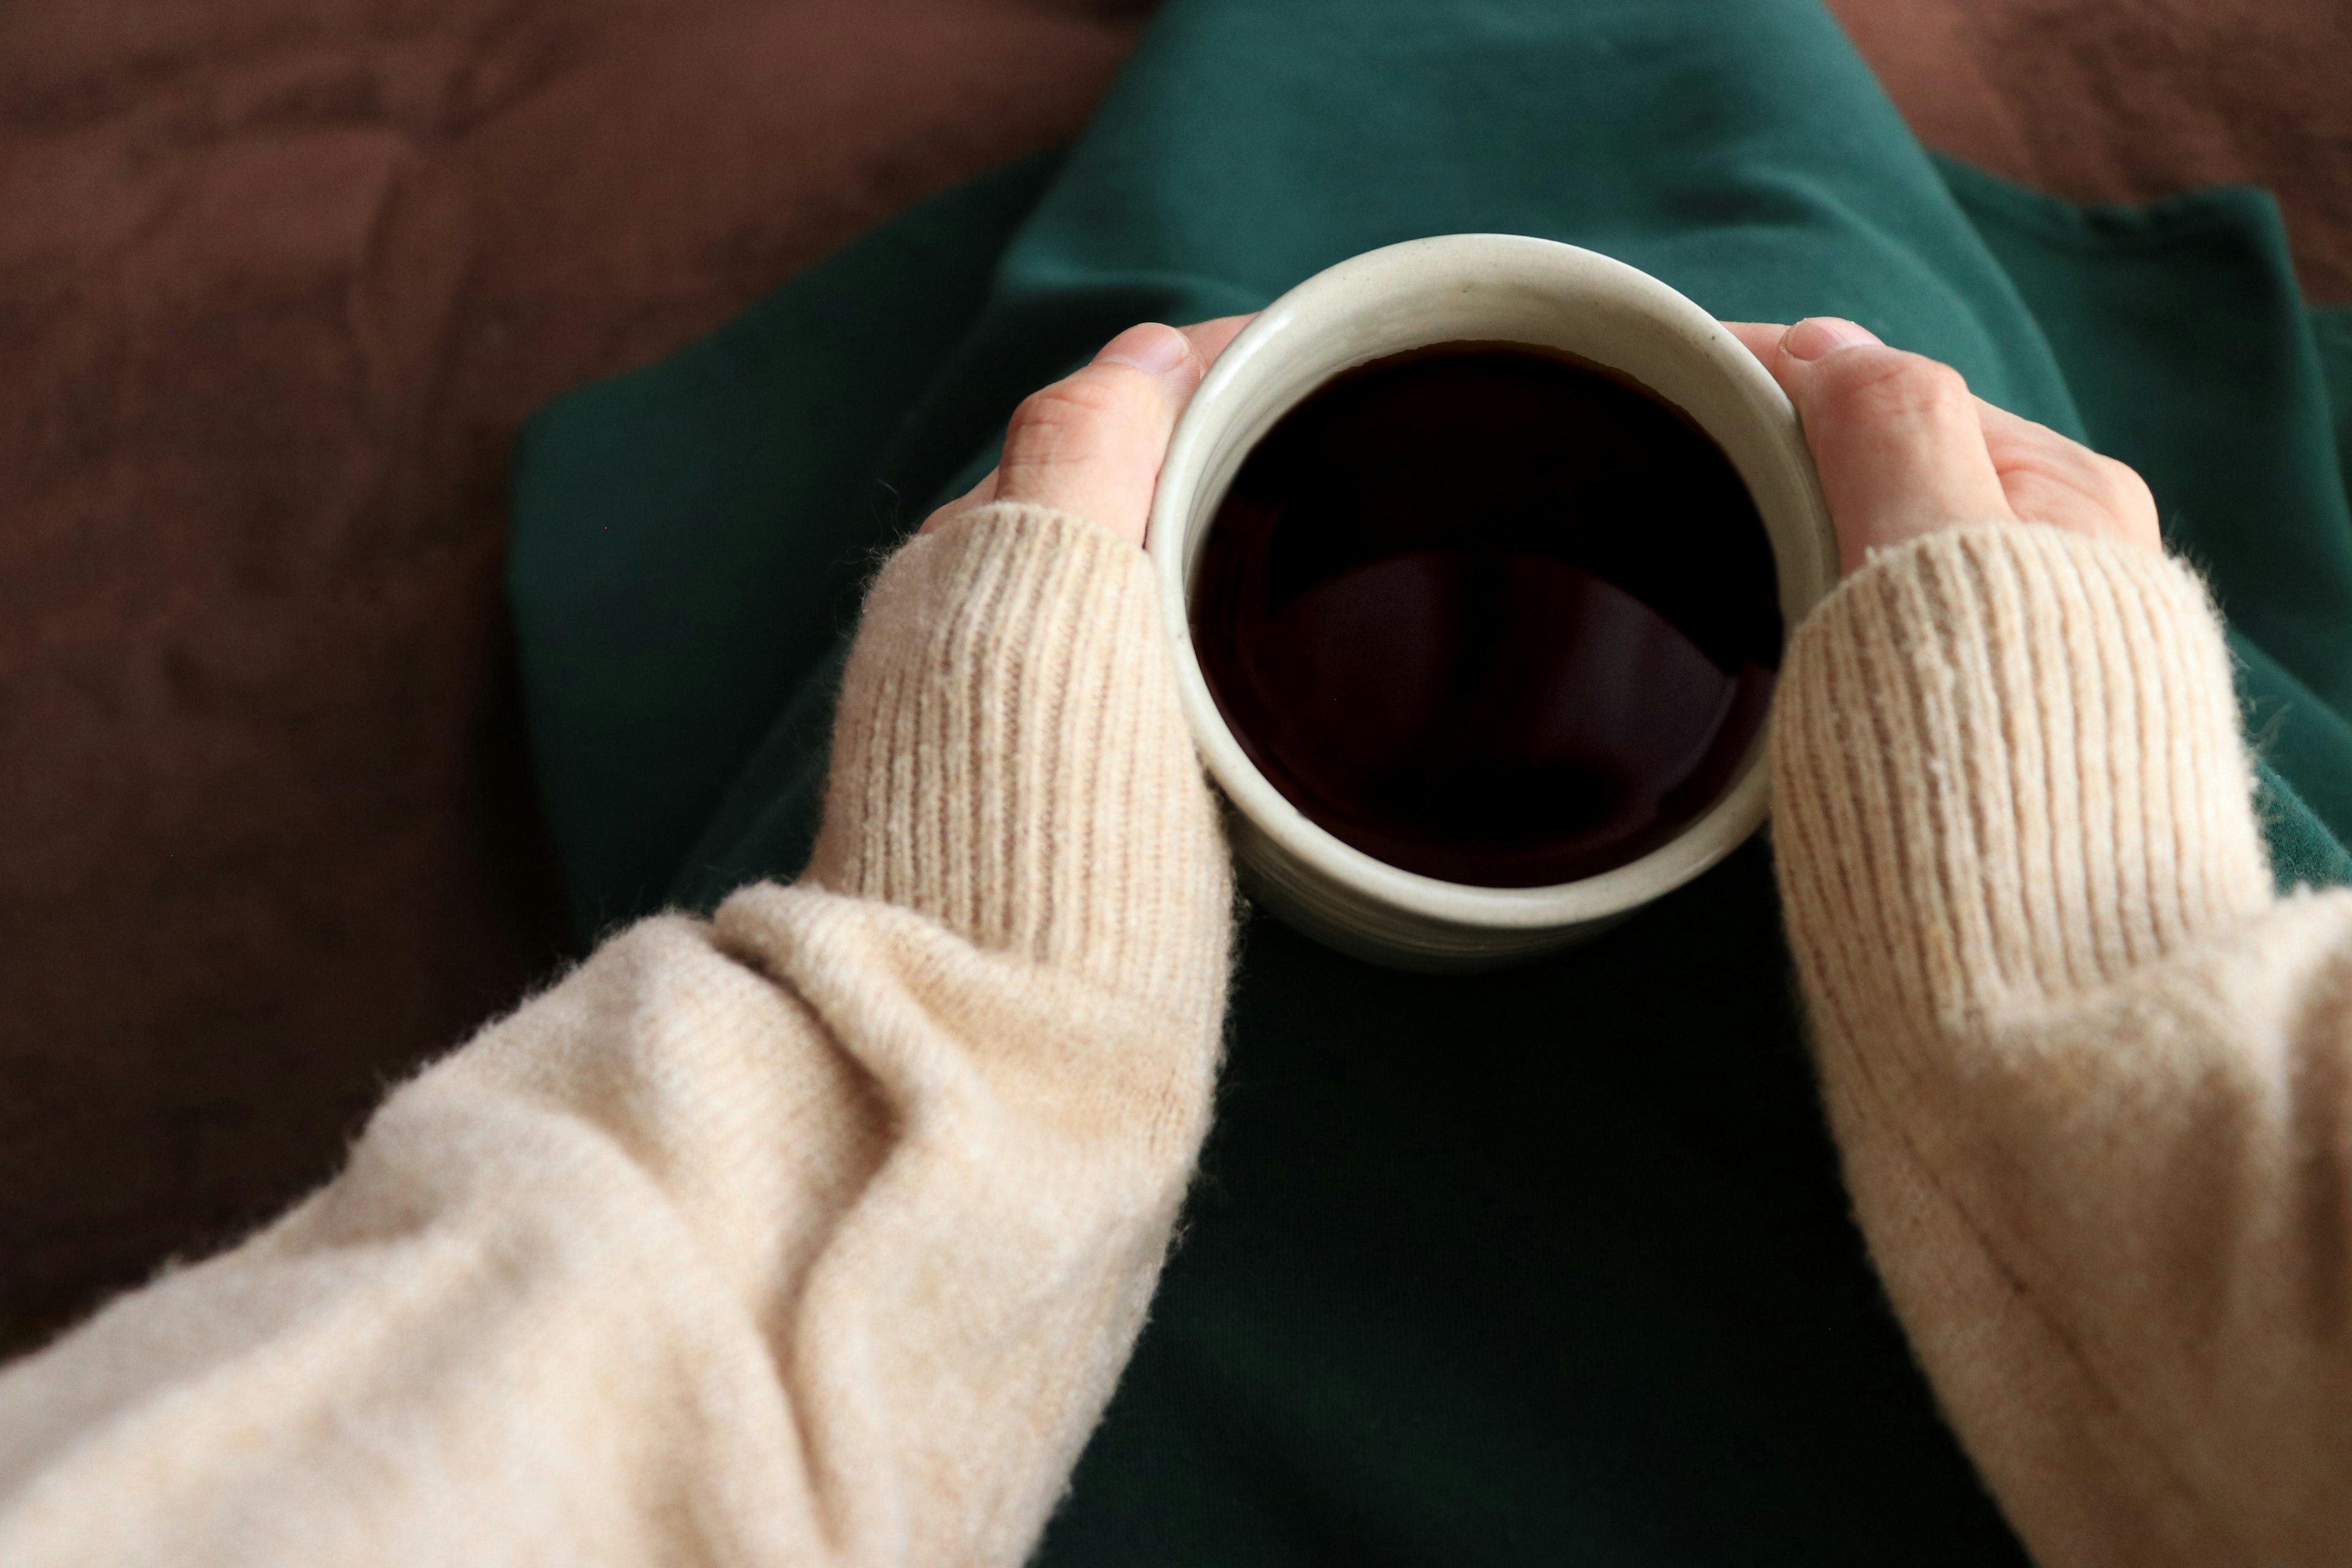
{"x": 1495, "y": 288}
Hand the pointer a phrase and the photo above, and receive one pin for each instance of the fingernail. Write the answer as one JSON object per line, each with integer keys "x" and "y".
{"x": 1151, "y": 348}
{"x": 1818, "y": 335}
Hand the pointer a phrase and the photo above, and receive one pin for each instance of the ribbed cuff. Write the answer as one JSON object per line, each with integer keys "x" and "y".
{"x": 2006, "y": 759}
{"x": 1010, "y": 757}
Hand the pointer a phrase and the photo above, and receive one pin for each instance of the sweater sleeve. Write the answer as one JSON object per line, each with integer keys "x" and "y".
{"x": 2091, "y": 1080}
{"x": 816, "y": 1233}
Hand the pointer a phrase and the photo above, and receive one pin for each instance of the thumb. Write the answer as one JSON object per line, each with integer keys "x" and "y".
{"x": 1895, "y": 437}
{"x": 1092, "y": 443}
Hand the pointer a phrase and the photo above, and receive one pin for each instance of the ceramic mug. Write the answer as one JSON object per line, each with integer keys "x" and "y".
{"x": 1492, "y": 288}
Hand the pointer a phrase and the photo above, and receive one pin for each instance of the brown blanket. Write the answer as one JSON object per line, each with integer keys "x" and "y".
{"x": 277, "y": 283}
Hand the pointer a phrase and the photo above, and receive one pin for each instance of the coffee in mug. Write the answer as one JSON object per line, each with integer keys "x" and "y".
{"x": 1491, "y": 613}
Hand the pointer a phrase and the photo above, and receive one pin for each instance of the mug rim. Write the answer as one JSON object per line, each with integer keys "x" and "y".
{"x": 1428, "y": 266}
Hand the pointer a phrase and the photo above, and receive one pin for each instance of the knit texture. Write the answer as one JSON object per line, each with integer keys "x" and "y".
{"x": 819, "y": 1232}
{"x": 816, "y": 1233}
{"x": 2088, "y": 1077}
{"x": 1021, "y": 773}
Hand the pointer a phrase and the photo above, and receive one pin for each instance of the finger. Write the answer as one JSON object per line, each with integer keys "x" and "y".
{"x": 1209, "y": 338}
{"x": 1761, "y": 339}
{"x": 2048, "y": 479}
{"x": 1092, "y": 443}
{"x": 1894, "y": 435}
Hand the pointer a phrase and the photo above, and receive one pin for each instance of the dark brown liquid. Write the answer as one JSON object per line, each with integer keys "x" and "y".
{"x": 1490, "y": 614}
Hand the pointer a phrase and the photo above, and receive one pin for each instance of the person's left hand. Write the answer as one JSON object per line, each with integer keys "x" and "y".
{"x": 1092, "y": 442}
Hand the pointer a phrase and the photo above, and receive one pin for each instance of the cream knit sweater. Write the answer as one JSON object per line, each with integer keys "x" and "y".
{"x": 819, "y": 1232}
{"x": 2091, "y": 1080}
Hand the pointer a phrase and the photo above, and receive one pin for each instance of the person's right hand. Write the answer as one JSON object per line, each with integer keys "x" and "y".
{"x": 1903, "y": 449}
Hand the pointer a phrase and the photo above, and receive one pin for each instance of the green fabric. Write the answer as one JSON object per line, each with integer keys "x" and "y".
{"x": 687, "y": 541}
{"x": 2192, "y": 359}
{"x": 1551, "y": 1266}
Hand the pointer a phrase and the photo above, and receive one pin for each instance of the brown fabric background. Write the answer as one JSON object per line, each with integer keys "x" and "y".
{"x": 277, "y": 280}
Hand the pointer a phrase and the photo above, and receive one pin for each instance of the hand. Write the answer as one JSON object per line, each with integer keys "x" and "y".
{"x": 1092, "y": 442}
{"x": 1904, "y": 449}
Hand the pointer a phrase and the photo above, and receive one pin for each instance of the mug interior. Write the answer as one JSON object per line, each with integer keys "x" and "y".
{"x": 1500, "y": 288}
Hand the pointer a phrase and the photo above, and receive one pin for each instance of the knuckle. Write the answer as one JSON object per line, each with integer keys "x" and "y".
{"x": 1078, "y": 399}
{"x": 2123, "y": 483}
{"x": 1879, "y": 385}
{"x": 1074, "y": 414}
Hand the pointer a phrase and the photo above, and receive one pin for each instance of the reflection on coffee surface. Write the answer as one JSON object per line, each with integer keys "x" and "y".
{"x": 1492, "y": 614}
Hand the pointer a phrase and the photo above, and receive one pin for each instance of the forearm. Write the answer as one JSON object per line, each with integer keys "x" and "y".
{"x": 2087, "y": 1076}
{"x": 816, "y": 1233}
